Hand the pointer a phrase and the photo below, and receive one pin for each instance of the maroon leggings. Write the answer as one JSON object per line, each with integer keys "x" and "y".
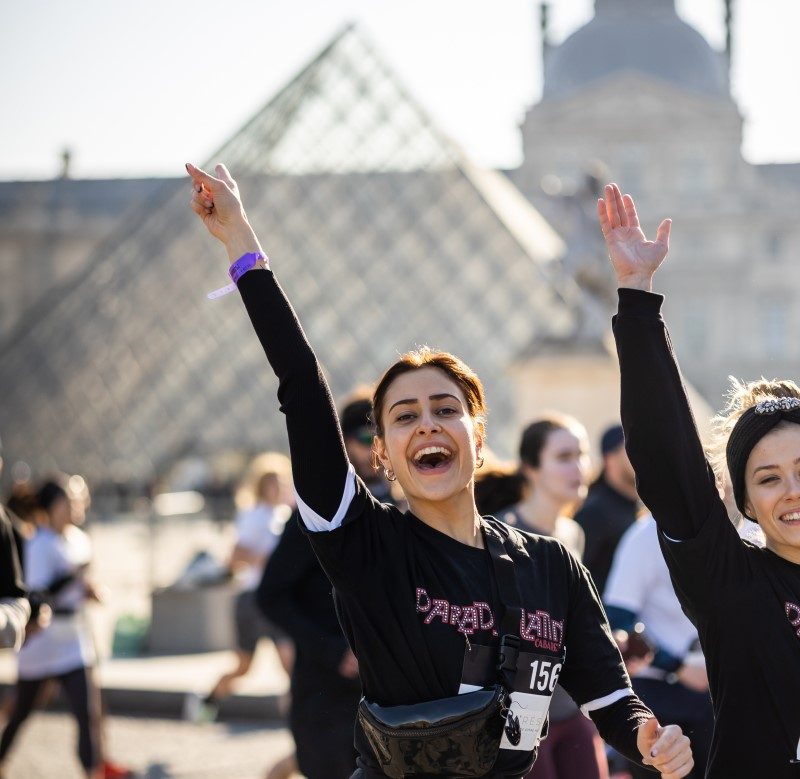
{"x": 570, "y": 752}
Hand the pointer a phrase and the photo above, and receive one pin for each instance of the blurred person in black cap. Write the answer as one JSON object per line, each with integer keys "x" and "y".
{"x": 296, "y": 594}
{"x": 14, "y": 606}
{"x": 610, "y": 508}
{"x": 357, "y": 431}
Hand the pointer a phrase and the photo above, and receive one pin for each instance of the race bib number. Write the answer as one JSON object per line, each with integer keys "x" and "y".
{"x": 534, "y": 683}
{"x": 537, "y": 676}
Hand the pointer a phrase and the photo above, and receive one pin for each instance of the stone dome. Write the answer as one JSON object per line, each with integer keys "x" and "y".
{"x": 635, "y": 35}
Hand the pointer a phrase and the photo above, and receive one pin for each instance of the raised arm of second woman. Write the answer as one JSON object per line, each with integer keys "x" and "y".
{"x": 319, "y": 461}
{"x": 674, "y": 479}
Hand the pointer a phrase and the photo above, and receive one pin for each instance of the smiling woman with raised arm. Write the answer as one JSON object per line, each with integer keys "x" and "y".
{"x": 745, "y": 601}
{"x": 461, "y": 625}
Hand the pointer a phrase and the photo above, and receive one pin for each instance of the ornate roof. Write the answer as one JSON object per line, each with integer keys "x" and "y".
{"x": 639, "y": 35}
{"x": 382, "y": 232}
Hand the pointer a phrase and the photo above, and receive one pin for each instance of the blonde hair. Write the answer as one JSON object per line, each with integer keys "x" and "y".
{"x": 742, "y": 396}
{"x": 265, "y": 464}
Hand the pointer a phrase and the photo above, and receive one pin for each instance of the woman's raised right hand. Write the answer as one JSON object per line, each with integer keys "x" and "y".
{"x": 217, "y": 202}
{"x": 635, "y": 259}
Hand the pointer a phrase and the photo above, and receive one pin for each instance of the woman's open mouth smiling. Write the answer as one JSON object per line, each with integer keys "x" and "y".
{"x": 432, "y": 459}
{"x": 791, "y": 517}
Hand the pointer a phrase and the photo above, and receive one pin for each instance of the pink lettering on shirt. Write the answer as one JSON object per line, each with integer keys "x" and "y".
{"x": 440, "y": 609}
{"x": 793, "y": 612}
{"x": 423, "y": 600}
{"x": 538, "y": 627}
{"x": 485, "y": 616}
{"x": 469, "y": 621}
{"x": 542, "y": 630}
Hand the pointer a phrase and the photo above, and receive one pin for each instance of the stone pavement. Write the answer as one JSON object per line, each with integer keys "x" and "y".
{"x": 158, "y": 685}
{"x": 155, "y": 748}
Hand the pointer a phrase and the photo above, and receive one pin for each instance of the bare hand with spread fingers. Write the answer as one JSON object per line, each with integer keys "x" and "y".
{"x": 667, "y": 749}
{"x": 635, "y": 259}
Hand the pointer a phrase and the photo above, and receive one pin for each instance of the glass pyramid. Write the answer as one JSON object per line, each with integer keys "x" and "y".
{"x": 384, "y": 235}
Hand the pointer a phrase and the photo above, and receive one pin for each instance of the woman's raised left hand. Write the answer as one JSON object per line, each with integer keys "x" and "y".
{"x": 666, "y": 749}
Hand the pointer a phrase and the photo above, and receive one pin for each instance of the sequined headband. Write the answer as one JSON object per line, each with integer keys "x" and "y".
{"x": 750, "y": 428}
{"x": 771, "y": 405}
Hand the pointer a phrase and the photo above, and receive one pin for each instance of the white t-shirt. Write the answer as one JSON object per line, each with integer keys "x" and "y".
{"x": 639, "y": 582}
{"x": 258, "y": 530}
{"x": 65, "y": 644}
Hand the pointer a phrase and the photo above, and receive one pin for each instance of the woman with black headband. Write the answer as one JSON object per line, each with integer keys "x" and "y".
{"x": 461, "y": 625}
{"x": 744, "y": 600}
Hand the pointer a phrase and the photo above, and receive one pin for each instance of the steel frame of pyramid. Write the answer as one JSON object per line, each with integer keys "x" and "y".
{"x": 384, "y": 235}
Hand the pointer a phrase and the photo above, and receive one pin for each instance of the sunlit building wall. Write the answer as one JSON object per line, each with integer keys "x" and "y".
{"x": 639, "y": 96}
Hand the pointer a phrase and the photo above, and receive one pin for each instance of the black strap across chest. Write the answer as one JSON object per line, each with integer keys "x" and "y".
{"x": 508, "y": 589}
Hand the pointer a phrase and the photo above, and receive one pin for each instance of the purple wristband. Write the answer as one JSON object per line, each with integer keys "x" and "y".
{"x": 245, "y": 263}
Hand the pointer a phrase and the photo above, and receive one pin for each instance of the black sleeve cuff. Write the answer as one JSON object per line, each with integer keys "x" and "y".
{"x": 254, "y": 280}
{"x": 637, "y": 302}
{"x": 619, "y": 723}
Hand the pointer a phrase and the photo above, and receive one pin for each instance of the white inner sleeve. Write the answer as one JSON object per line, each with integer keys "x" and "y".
{"x": 463, "y": 689}
{"x": 671, "y": 540}
{"x": 606, "y": 700}
{"x": 14, "y": 613}
{"x": 317, "y": 524}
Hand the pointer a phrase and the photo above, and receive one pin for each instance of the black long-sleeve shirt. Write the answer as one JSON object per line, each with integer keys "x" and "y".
{"x": 11, "y": 582}
{"x": 296, "y": 594}
{"x": 14, "y": 608}
{"x": 419, "y": 609}
{"x": 744, "y": 600}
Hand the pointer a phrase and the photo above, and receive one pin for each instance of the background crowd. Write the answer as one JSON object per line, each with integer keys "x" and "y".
{"x": 552, "y": 489}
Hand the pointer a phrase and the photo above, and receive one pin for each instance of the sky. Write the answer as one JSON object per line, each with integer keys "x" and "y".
{"x": 136, "y": 89}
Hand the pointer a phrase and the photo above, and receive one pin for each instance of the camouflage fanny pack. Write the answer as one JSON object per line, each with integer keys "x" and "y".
{"x": 457, "y": 736}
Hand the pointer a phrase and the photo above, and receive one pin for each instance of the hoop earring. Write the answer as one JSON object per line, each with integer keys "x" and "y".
{"x": 387, "y": 471}
{"x": 479, "y": 462}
